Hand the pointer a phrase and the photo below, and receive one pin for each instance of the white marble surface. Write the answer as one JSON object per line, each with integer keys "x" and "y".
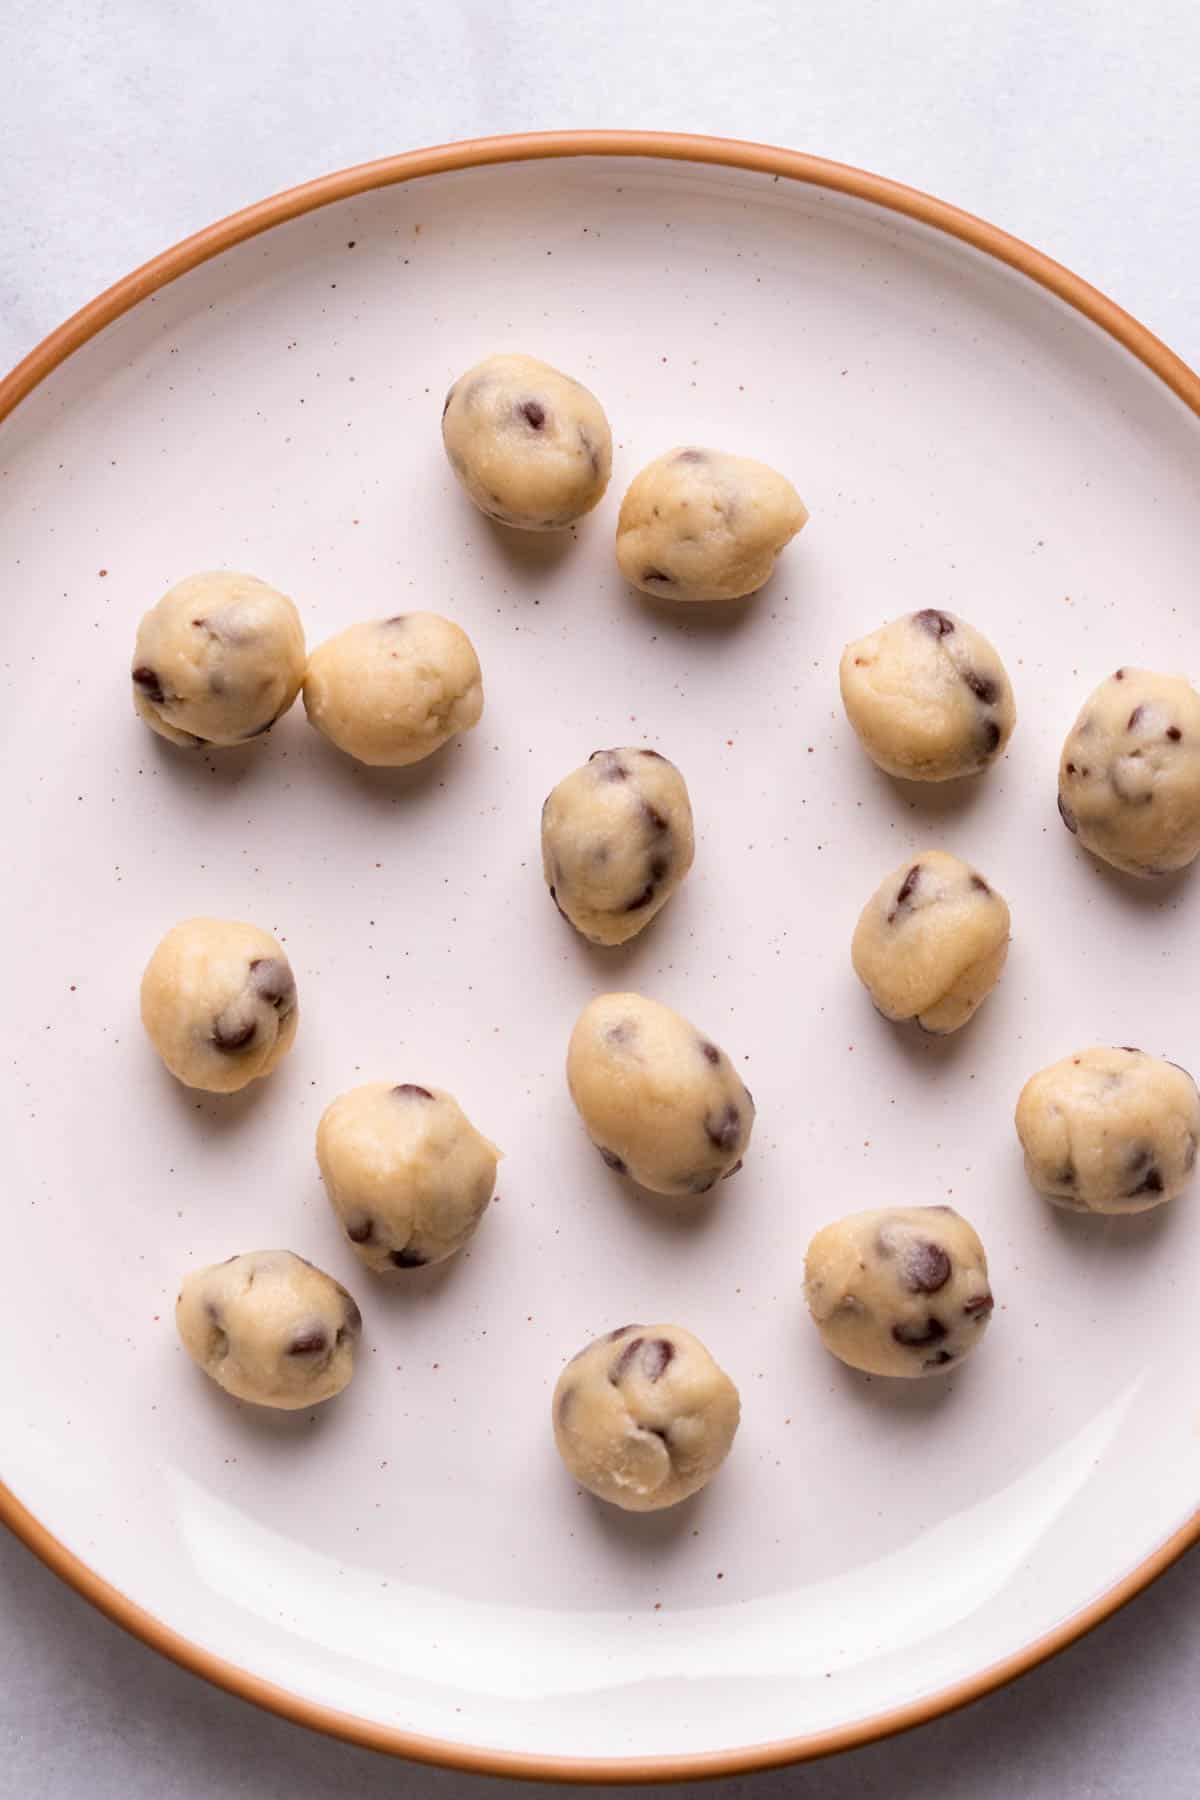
{"x": 128, "y": 123}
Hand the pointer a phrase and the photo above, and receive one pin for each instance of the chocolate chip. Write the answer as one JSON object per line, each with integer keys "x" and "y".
{"x": 273, "y": 979}
{"x": 1070, "y": 768}
{"x": 723, "y": 1129}
{"x": 623, "y": 1032}
{"x": 147, "y": 679}
{"x": 407, "y": 1259}
{"x": 979, "y": 1306}
{"x": 980, "y": 884}
{"x": 613, "y": 1161}
{"x": 655, "y": 1357}
{"x": 1174, "y": 733}
{"x": 590, "y": 450}
{"x": 620, "y": 1367}
{"x": 991, "y": 736}
{"x": 642, "y": 899}
{"x": 702, "y": 1183}
{"x": 611, "y": 766}
{"x": 362, "y": 1230}
{"x": 934, "y": 622}
{"x": 620, "y": 1332}
{"x": 653, "y": 817}
{"x": 1135, "y": 718}
{"x": 232, "y": 1038}
{"x": 925, "y": 1267}
{"x": 712, "y": 1054}
{"x": 1132, "y": 1050}
{"x": 411, "y": 1089}
{"x": 658, "y": 575}
{"x": 533, "y": 413}
{"x": 692, "y": 456}
{"x": 905, "y": 892}
{"x": 656, "y": 754}
{"x": 1066, "y": 1176}
{"x": 739, "y": 1164}
{"x": 353, "y": 1317}
{"x": 1068, "y": 817}
{"x": 1120, "y": 675}
{"x": 397, "y": 619}
{"x": 566, "y": 1401}
{"x": 309, "y": 1342}
{"x": 259, "y": 730}
{"x": 449, "y": 398}
{"x": 982, "y": 686}
{"x": 554, "y": 897}
{"x": 916, "y": 1336}
{"x": 938, "y": 1360}
{"x": 1151, "y": 1183}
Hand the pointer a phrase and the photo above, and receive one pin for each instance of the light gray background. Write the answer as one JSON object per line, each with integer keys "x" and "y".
{"x": 127, "y": 124}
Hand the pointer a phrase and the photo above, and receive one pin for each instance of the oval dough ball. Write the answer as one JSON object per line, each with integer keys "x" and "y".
{"x": 617, "y": 841}
{"x": 271, "y": 1328}
{"x": 531, "y": 446}
{"x": 1129, "y": 776}
{"x": 659, "y": 1100}
{"x": 899, "y": 1290}
{"x": 644, "y": 1417}
{"x": 928, "y": 697}
{"x": 218, "y": 660}
{"x": 392, "y": 691}
{"x": 406, "y": 1172}
{"x": 1109, "y": 1131}
{"x": 219, "y": 1003}
{"x": 702, "y": 525}
{"x": 931, "y": 941}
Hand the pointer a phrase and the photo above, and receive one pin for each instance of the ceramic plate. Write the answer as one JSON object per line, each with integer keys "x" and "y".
{"x": 411, "y": 1565}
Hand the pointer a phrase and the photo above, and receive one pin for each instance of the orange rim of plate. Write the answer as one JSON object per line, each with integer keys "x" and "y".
{"x": 478, "y": 153}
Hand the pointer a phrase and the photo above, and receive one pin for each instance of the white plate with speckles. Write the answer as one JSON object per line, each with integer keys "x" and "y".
{"x": 410, "y": 1565}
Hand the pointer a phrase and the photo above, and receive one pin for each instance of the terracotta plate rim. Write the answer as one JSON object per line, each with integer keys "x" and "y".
{"x": 792, "y": 165}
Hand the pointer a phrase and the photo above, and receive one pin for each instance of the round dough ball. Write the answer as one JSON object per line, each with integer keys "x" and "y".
{"x": 644, "y": 1417}
{"x": 1109, "y": 1131}
{"x": 702, "y": 525}
{"x": 406, "y": 1172}
{"x": 660, "y": 1101}
{"x": 219, "y": 1003}
{"x": 928, "y": 697}
{"x": 931, "y": 941}
{"x": 899, "y": 1290}
{"x": 531, "y": 446}
{"x": 392, "y": 691}
{"x": 1129, "y": 776}
{"x": 218, "y": 660}
{"x": 617, "y": 841}
{"x": 269, "y": 1327}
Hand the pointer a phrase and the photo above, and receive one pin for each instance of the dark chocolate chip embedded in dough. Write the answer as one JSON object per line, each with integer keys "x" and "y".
{"x": 353, "y": 1317}
{"x": 231, "y": 1038}
{"x": 310, "y": 1342}
{"x": 272, "y": 977}
{"x": 724, "y": 1128}
{"x": 938, "y": 1360}
{"x": 692, "y": 456}
{"x": 1119, "y": 675}
{"x": 147, "y": 679}
{"x": 620, "y": 1332}
{"x": 934, "y": 622}
{"x": 1151, "y": 1183}
{"x": 1135, "y": 718}
{"x": 991, "y": 735}
{"x": 656, "y": 754}
{"x": 621, "y": 1367}
{"x": 1068, "y": 817}
{"x": 978, "y": 882}
{"x": 979, "y": 1306}
{"x": 613, "y": 1161}
{"x": 566, "y": 1401}
{"x": 711, "y": 1053}
{"x": 656, "y": 1354}
{"x": 658, "y": 575}
{"x": 642, "y": 899}
{"x": 449, "y": 398}
{"x": 982, "y": 686}
{"x": 411, "y": 1091}
{"x": 1174, "y": 733}
{"x": 407, "y": 1259}
{"x": 362, "y": 1230}
{"x": 915, "y": 1337}
{"x": 924, "y": 1267}
{"x": 905, "y": 891}
{"x": 653, "y": 817}
{"x": 533, "y": 413}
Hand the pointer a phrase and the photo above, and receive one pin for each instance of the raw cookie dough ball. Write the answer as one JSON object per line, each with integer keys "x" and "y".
{"x": 1129, "y": 776}
{"x": 219, "y": 1003}
{"x": 616, "y": 842}
{"x": 530, "y": 445}
{"x": 928, "y": 697}
{"x": 406, "y": 1172}
{"x": 660, "y": 1102}
{"x": 392, "y": 691}
{"x": 702, "y": 525}
{"x": 931, "y": 941}
{"x": 644, "y": 1417}
{"x": 218, "y": 660}
{"x": 899, "y": 1290}
{"x": 1109, "y": 1131}
{"x": 271, "y": 1328}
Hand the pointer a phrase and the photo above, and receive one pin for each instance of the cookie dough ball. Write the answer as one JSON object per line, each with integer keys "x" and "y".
{"x": 931, "y": 941}
{"x": 701, "y": 525}
{"x": 393, "y": 691}
{"x": 899, "y": 1290}
{"x": 271, "y": 1328}
{"x": 659, "y": 1100}
{"x": 1109, "y": 1131}
{"x": 218, "y": 660}
{"x": 406, "y": 1172}
{"x": 531, "y": 446}
{"x": 1129, "y": 776}
{"x": 219, "y": 1003}
{"x": 928, "y": 697}
{"x": 644, "y": 1417}
{"x": 617, "y": 841}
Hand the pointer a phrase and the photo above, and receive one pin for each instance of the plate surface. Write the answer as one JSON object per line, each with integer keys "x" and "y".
{"x": 414, "y": 1555}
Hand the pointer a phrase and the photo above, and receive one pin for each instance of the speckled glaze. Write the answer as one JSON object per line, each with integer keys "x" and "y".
{"x": 963, "y": 440}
